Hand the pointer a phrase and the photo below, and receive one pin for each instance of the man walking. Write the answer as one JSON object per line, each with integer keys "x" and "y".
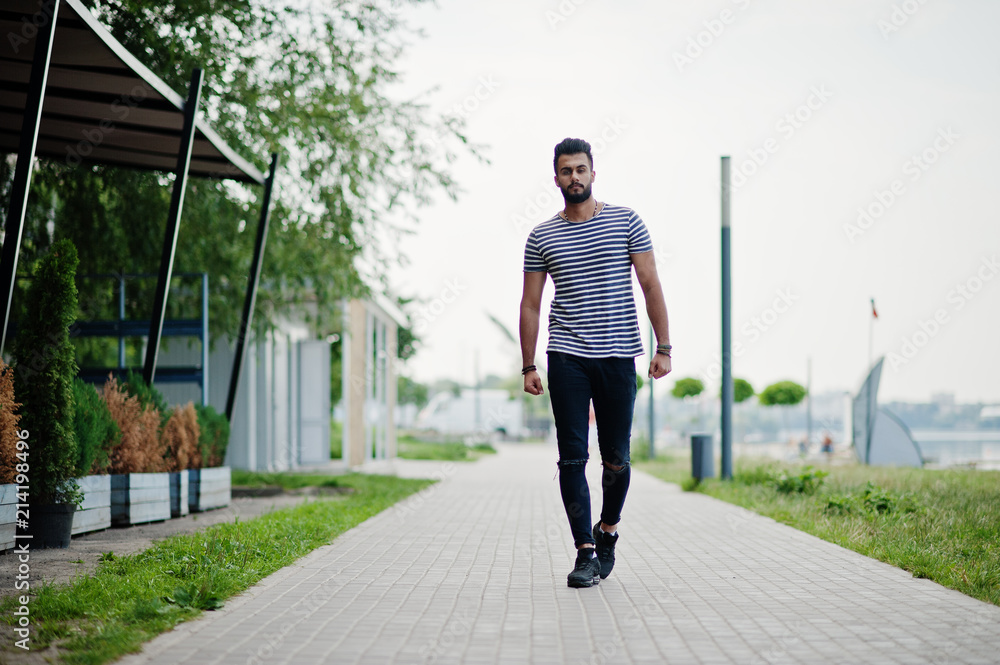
{"x": 589, "y": 248}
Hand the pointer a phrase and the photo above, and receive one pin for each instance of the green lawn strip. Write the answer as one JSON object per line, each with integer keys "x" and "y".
{"x": 289, "y": 480}
{"x": 131, "y": 599}
{"x": 450, "y": 451}
{"x": 940, "y": 524}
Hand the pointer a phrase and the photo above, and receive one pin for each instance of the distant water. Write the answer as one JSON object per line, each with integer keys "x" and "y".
{"x": 951, "y": 448}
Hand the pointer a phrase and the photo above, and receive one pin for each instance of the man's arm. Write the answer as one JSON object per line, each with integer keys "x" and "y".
{"x": 531, "y": 305}
{"x": 656, "y": 308}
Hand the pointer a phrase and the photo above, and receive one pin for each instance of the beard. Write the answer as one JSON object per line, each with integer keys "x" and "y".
{"x": 576, "y": 197}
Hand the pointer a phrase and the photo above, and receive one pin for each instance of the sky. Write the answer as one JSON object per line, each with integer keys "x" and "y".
{"x": 862, "y": 135}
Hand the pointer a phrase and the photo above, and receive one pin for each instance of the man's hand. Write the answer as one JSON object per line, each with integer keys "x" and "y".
{"x": 659, "y": 366}
{"x": 533, "y": 383}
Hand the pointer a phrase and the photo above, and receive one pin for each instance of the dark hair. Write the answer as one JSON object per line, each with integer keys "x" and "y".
{"x": 571, "y": 147}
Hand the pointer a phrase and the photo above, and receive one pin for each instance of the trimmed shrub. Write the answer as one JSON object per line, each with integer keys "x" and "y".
{"x": 214, "y": 436}
{"x": 97, "y": 433}
{"x": 44, "y": 369}
{"x": 140, "y": 449}
{"x": 8, "y": 426}
{"x": 181, "y": 438}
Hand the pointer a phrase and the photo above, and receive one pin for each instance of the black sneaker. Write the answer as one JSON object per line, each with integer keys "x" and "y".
{"x": 605, "y": 549}
{"x": 587, "y": 572}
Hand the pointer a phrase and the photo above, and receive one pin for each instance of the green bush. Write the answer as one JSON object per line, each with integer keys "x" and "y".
{"x": 96, "y": 431}
{"x": 147, "y": 395}
{"x": 805, "y": 482}
{"x": 871, "y": 501}
{"x": 44, "y": 369}
{"x": 758, "y": 475}
{"x": 214, "y": 437}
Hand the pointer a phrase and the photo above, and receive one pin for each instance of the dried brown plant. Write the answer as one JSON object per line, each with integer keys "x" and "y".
{"x": 141, "y": 449}
{"x": 180, "y": 437}
{"x": 8, "y": 426}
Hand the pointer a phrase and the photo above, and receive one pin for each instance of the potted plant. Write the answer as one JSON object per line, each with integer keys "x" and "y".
{"x": 140, "y": 487}
{"x": 96, "y": 435}
{"x": 181, "y": 435}
{"x": 211, "y": 484}
{"x": 44, "y": 368}
{"x": 8, "y": 457}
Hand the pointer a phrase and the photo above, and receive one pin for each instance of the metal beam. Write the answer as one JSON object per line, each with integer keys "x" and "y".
{"x": 727, "y": 332}
{"x": 251, "y": 295}
{"x": 46, "y": 26}
{"x": 173, "y": 222}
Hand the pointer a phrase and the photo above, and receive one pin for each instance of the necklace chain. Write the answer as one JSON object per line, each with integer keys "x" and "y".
{"x": 566, "y": 217}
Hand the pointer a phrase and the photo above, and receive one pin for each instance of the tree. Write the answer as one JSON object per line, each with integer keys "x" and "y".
{"x": 742, "y": 390}
{"x": 409, "y": 391}
{"x": 44, "y": 368}
{"x": 783, "y": 393}
{"x": 308, "y": 81}
{"x": 687, "y": 387}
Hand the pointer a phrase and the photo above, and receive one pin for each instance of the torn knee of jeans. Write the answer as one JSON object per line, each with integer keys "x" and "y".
{"x": 615, "y": 468}
{"x": 571, "y": 462}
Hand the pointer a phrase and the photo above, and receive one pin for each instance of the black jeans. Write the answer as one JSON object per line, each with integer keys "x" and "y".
{"x": 610, "y": 382}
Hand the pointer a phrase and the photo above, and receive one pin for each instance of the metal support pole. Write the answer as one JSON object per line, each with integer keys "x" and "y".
{"x": 45, "y": 20}
{"x": 809, "y": 408}
{"x": 727, "y": 337}
{"x": 121, "y": 322}
{"x": 251, "y": 297}
{"x": 204, "y": 339}
{"x": 173, "y": 222}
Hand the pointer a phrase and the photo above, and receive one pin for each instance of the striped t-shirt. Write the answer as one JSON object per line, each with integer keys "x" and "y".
{"x": 593, "y": 312}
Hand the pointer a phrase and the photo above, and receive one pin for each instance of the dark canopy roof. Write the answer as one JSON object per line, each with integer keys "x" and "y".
{"x": 101, "y": 104}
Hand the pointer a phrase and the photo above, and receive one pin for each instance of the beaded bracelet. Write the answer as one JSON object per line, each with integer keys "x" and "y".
{"x": 529, "y": 368}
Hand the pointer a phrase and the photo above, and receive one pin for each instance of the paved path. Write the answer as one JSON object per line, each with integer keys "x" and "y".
{"x": 473, "y": 570}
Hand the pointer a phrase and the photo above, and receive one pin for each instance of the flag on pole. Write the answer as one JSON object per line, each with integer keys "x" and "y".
{"x": 874, "y": 313}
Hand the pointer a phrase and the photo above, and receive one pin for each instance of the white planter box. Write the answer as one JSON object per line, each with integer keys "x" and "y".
{"x": 94, "y": 514}
{"x": 210, "y": 488}
{"x": 8, "y": 513}
{"x": 179, "y": 485}
{"x": 137, "y": 498}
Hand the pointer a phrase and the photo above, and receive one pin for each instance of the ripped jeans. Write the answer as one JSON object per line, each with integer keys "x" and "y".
{"x": 610, "y": 382}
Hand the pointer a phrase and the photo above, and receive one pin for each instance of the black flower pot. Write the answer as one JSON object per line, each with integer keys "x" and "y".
{"x": 51, "y": 526}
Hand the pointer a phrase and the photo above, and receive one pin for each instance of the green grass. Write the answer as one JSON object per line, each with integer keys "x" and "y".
{"x": 289, "y": 481}
{"x": 451, "y": 451}
{"x": 131, "y": 599}
{"x": 943, "y": 525}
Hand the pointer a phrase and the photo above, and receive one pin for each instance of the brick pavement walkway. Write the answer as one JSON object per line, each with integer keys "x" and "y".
{"x": 473, "y": 570}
